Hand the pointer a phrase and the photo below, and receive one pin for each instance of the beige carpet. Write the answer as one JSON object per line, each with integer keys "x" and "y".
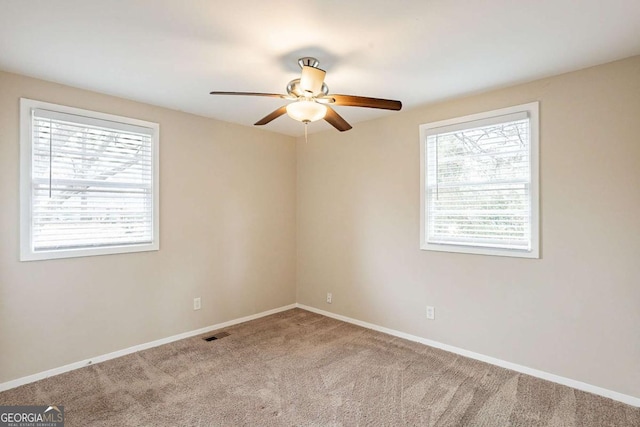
{"x": 300, "y": 368}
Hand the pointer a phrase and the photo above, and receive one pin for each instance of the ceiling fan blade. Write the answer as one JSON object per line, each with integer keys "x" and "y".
{"x": 272, "y": 116}
{"x": 271, "y": 95}
{"x": 361, "y": 101}
{"x": 336, "y": 120}
{"x": 311, "y": 79}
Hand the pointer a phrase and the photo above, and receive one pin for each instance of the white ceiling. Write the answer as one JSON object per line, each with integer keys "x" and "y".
{"x": 173, "y": 53}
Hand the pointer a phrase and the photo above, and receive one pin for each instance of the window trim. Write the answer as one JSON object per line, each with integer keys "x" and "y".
{"x": 532, "y": 109}
{"x": 26, "y": 146}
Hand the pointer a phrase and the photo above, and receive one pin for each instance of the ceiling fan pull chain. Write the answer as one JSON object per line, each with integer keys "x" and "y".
{"x": 306, "y": 139}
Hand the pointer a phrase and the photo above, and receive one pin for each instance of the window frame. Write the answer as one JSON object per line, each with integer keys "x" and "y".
{"x": 26, "y": 148}
{"x": 532, "y": 109}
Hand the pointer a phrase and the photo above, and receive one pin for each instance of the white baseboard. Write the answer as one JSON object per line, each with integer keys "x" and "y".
{"x": 76, "y": 365}
{"x": 624, "y": 398}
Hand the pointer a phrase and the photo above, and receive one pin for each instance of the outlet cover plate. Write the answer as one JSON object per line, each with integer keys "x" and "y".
{"x": 431, "y": 312}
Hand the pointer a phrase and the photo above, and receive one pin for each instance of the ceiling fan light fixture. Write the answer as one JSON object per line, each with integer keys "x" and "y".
{"x": 306, "y": 111}
{"x": 311, "y": 94}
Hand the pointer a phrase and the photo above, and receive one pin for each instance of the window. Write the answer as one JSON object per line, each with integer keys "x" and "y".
{"x": 88, "y": 183}
{"x": 479, "y": 183}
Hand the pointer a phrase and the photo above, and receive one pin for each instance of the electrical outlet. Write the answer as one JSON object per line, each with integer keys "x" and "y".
{"x": 197, "y": 303}
{"x": 329, "y": 298}
{"x": 431, "y": 312}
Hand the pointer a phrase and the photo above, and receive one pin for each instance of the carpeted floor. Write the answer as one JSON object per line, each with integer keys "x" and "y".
{"x": 300, "y": 368}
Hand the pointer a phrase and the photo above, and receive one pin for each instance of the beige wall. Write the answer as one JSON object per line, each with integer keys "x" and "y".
{"x": 575, "y": 312}
{"x": 227, "y": 235}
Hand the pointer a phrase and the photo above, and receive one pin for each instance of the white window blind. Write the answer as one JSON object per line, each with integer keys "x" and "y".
{"x": 91, "y": 185}
{"x": 478, "y": 187}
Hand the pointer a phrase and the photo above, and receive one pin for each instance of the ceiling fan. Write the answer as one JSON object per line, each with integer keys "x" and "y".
{"x": 312, "y": 101}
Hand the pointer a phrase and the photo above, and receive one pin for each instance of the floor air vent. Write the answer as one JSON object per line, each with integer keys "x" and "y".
{"x": 216, "y": 336}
